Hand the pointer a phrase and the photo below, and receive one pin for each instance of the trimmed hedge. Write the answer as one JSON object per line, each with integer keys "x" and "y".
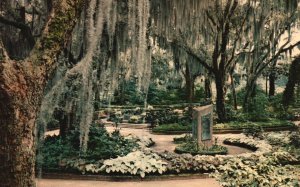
{"x": 235, "y": 127}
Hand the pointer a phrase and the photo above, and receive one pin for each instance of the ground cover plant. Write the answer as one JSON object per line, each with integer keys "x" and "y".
{"x": 194, "y": 149}
{"x": 101, "y": 145}
{"x": 267, "y": 166}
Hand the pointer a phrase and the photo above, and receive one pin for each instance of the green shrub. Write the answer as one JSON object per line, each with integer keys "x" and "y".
{"x": 256, "y": 108}
{"x": 188, "y": 163}
{"x": 54, "y": 150}
{"x": 200, "y": 93}
{"x": 295, "y": 139}
{"x": 166, "y": 116}
{"x": 191, "y": 146}
{"x": 256, "y": 171}
{"x": 135, "y": 163}
{"x": 277, "y": 108}
{"x": 254, "y": 130}
{"x": 101, "y": 145}
{"x": 173, "y": 127}
{"x": 185, "y": 138}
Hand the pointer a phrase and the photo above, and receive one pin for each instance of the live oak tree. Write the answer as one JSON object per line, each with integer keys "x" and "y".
{"x": 21, "y": 89}
{"x": 272, "y": 25}
{"x": 209, "y": 35}
{"x": 221, "y": 34}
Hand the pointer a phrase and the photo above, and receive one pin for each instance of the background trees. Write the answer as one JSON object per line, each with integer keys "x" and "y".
{"x": 225, "y": 33}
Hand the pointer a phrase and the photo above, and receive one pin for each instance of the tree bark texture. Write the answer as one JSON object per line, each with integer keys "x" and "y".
{"x": 220, "y": 102}
{"x": 189, "y": 84}
{"x": 294, "y": 78}
{"x": 207, "y": 86}
{"x": 21, "y": 89}
{"x": 233, "y": 92}
{"x": 272, "y": 79}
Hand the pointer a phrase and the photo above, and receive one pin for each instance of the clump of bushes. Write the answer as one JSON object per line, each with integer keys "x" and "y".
{"x": 182, "y": 139}
{"x": 256, "y": 107}
{"x": 295, "y": 139}
{"x": 186, "y": 163}
{"x": 166, "y": 116}
{"x": 254, "y": 130}
{"x": 101, "y": 145}
{"x": 263, "y": 170}
{"x": 173, "y": 128}
{"x": 135, "y": 163}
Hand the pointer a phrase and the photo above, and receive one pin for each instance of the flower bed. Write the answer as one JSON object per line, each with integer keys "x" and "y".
{"x": 263, "y": 166}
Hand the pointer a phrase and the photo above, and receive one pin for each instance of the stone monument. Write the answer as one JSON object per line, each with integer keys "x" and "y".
{"x": 203, "y": 125}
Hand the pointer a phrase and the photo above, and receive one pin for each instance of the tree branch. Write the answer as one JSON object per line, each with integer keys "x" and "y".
{"x": 26, "y": 31}
{"x": 199, "y": 59}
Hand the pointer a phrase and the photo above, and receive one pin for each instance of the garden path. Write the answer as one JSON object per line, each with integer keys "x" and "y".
{"x": 208, "y": 182}
{"x": 165, "y": 142}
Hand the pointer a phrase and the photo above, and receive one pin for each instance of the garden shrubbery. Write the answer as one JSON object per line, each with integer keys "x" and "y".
{"x": 233, "y": 125}
{"x": 264, "y": 170}
{"x": 101, "y": 145}
{"x": 173, "y": 128}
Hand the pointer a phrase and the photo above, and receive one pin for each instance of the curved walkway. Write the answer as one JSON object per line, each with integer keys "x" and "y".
{"x": 165, "y": 142}
{"x": 170, "y": 183}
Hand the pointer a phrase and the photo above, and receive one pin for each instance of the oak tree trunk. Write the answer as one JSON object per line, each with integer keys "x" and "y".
{"x": 220, "y": 102}
{"x": 233, "y": 92}
{"x": 272, "y": 78}
{"x": 20, "y": 96}
{"x": 207, "y": 86}
{"x": 189, "y": 85}
{"x": 22, "y": 85}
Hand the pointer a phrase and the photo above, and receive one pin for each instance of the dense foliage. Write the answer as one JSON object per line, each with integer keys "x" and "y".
{"x": 101, "y": 145}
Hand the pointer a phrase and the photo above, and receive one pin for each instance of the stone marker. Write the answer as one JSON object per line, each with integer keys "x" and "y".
{"x": 203, "y": 125}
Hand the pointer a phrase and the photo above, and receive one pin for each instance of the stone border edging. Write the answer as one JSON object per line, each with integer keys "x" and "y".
{"x": 124, "y": 178}
{"x": 242, "y": 145}
{"x": 180, "y": 151}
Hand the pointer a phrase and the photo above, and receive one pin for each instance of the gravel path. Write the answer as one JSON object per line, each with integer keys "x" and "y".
{"x": 170, "y": 183}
